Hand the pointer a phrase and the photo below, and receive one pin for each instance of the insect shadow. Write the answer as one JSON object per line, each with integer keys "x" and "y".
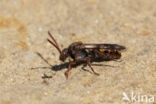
{"x": 65, "y": 65}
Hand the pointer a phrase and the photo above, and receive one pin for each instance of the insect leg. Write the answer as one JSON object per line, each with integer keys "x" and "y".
{"x": 69, "y": 68}
{"x": 89, "y": 64}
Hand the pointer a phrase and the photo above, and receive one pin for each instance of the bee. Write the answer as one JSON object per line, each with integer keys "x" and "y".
{"x": 87, "y": 53}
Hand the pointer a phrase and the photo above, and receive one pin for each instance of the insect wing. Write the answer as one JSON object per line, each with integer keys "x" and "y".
{"x": 104, "y": 46}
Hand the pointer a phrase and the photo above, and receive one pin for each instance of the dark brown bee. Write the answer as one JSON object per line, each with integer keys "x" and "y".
{"x": 87, "y": 53}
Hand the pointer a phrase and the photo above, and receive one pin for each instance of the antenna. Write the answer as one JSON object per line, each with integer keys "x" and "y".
{"x": 53, "y": 43}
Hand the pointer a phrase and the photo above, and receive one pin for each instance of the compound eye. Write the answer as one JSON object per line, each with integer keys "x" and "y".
{"x": 64, "y": 55}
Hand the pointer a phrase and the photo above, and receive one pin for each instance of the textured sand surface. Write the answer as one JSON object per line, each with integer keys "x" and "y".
{"x": 23, "y": 32}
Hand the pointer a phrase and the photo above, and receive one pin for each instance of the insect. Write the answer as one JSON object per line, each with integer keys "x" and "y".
{"x": 87, "y": 53}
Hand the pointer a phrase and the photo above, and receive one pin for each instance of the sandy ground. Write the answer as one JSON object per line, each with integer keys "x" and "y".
{"x": 23, "y": 32}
